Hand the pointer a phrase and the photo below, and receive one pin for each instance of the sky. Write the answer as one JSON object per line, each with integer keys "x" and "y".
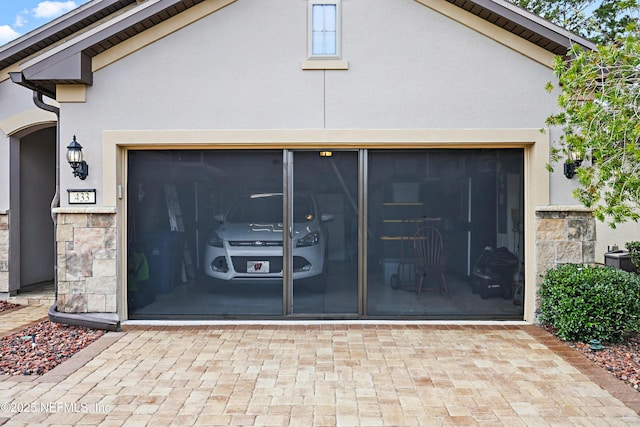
{"x": 18, "y": 17}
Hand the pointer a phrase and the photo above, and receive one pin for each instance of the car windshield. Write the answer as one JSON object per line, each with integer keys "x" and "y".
{"x": 268, "y": 209}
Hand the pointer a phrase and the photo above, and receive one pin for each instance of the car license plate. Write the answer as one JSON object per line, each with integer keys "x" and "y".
{"x": 257, "y": 266}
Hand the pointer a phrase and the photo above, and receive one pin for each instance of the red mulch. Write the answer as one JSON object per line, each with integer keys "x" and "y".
{"x": 4, "y": 306}
{"x": 621, "y": 359}
{"x": 39, "y": 348}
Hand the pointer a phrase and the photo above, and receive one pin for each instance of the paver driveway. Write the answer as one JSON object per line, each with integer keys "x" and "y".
{"x": 322, "y": 375}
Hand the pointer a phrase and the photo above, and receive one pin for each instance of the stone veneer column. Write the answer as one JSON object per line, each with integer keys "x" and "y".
{"x": 87, "y": 271}
{"x": 4, "y": 251}
{"x": 564, "y": 234}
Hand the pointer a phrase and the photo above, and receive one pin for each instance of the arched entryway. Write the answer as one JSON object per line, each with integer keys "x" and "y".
{"x": 32, "y": 187}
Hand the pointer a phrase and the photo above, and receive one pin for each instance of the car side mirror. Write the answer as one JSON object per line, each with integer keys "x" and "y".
{"x": 219, "y": 217}
{"x": 326, "y": 217}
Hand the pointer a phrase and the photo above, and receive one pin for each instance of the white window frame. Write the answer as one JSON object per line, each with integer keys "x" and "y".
{"x": 338, "y": 23}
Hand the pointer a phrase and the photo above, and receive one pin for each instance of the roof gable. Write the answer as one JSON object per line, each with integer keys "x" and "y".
{"x": 70, "y": 63}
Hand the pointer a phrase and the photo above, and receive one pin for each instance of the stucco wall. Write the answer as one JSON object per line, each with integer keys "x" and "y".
{"x": 410, "y": 67}
{"x": 607, "y": 236}
{"x": 18, "y": 117}
{"x": 240, "y": 68}
{"x": 13, "y": 99}
{"x": 4, "y": 171}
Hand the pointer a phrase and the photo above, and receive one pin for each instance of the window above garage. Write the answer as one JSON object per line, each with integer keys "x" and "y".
{"x": 324, "y": 29}
{"x": 324, "y": 36}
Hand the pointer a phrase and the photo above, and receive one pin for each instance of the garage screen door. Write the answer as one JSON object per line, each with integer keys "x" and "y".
{"x": 427, "y": 234}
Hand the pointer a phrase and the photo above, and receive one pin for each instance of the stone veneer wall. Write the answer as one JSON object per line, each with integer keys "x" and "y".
{"x": 4, "y": 251}
{"x": 564, "y": 234}
{"x": 87, "y": 271}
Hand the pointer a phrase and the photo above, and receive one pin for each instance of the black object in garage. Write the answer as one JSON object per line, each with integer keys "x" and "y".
{"x": 493, "y": 273}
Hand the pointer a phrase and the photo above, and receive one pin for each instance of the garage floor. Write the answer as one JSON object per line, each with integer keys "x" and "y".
{"x": 204, "y": 298}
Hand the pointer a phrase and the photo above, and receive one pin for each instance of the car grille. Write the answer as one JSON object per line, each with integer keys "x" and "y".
{"x": 255, "y": 243}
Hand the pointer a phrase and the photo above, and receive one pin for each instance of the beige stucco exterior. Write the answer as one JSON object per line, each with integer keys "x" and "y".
{"x": 507, "y": 86}
{"x": 27, "y": 119}
{"x": 231, "y": 74}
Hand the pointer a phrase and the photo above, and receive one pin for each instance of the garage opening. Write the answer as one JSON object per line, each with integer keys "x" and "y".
{"x": 446, "y": 238}
{"x": 317, "y": 234}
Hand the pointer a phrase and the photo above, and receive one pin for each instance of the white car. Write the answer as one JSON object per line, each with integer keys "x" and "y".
{"x": 248, "y": 243}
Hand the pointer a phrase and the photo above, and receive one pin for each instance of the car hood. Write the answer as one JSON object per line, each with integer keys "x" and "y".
{"x": 260, "y": 231}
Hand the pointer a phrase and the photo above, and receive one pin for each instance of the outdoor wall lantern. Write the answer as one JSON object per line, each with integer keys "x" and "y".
{"x": 74, "y": 157}
{"x": 573, "y": 162}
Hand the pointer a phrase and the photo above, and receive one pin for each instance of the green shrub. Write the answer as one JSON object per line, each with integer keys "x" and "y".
{"x": 587, "y": 302}
{"x": 634, "y": 253}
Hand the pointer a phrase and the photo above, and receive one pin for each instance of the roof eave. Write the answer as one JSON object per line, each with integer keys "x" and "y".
{"x": 526, "y": 20}
{"x": 56, "y": 65}
{"x": 43, "y": 88}
{"x": 58, "y": 29}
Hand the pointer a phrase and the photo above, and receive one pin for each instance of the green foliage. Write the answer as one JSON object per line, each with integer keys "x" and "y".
{"x": 611, "y": 20}
{"x": 587, "y": 302}
{"x": 634, "y": 253}
{"x": 600, "y": 119}
{"x": 599, "y": 102}
{"x": 601, "y": 21}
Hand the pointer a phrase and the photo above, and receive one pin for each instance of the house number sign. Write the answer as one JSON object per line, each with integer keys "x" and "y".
{"x": 82, "y": 197}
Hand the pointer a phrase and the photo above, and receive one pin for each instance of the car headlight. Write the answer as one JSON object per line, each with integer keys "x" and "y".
{"x": 310, "y": 239}
{"x": 214, "y": 240}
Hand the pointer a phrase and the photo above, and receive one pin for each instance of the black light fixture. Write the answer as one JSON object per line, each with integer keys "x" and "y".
{"x": 74, "y": 157}
{"x": 572, "y": 163}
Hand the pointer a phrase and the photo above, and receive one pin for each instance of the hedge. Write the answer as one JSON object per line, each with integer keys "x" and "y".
{"x": 582, "y": 303}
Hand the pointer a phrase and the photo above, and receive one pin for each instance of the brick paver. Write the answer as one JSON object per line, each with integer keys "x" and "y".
{"x": 37, "y": 295}
{"x": 17, "y": 318}
{"x": 326, "y": 374}
{"x": 319, "y": 375}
